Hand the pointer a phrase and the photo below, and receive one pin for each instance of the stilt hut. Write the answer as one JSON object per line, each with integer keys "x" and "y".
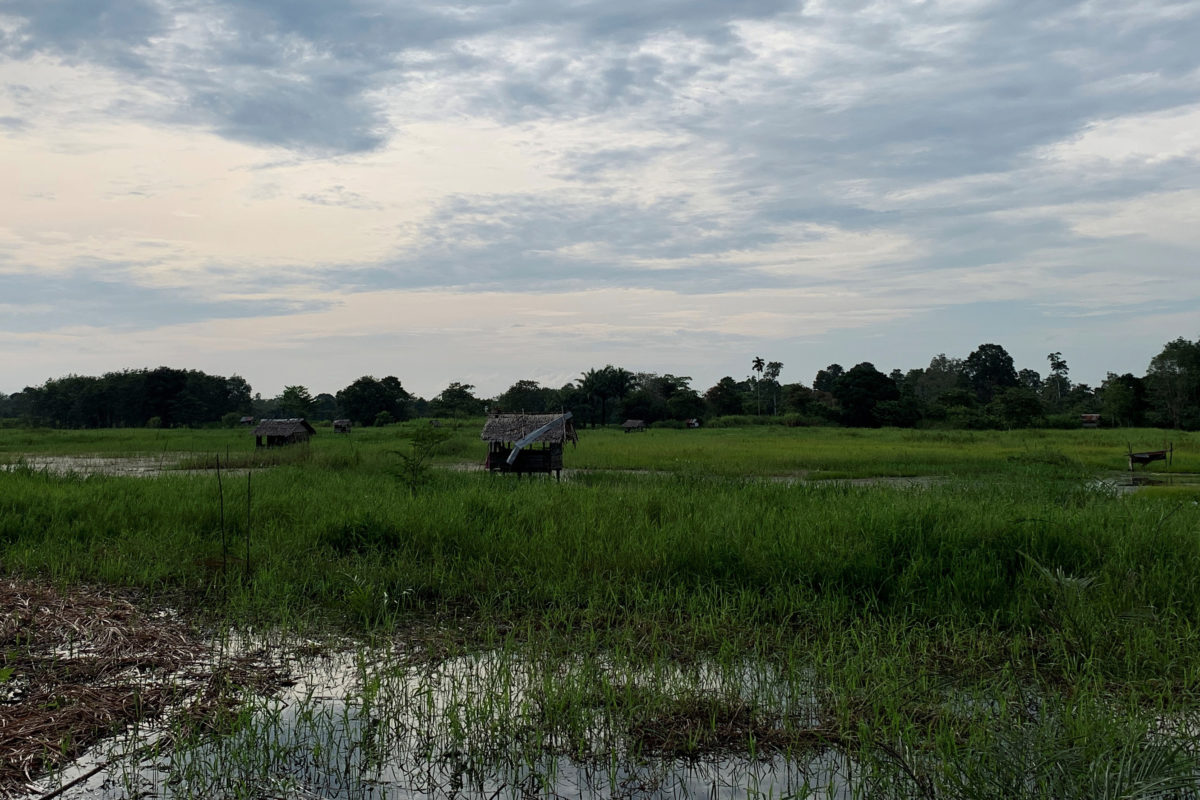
{"x": 276, "y": 432}
{"x": 341, "y": 426}
{"x": 542, "y": 452}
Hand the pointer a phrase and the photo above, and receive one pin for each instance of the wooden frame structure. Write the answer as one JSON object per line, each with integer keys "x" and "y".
{"x": 537, "y": 440}
{"x": 1145, "y": 457}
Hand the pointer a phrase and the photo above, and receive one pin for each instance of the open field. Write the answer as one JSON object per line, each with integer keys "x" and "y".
{"x": 1014, "y": 629}
{"x": 733, "y": 452}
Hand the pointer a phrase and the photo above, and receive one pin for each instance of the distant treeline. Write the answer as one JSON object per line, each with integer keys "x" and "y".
{"x": 983, "y": 390}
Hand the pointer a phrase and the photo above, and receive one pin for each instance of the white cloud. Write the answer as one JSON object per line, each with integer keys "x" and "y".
{"x": 1139, "y": 139}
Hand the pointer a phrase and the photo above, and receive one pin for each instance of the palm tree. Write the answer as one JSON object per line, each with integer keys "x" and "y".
{"x": 608, "y": 383}
{"x": 757, "y": 366}
{"x": 590, "y": 383}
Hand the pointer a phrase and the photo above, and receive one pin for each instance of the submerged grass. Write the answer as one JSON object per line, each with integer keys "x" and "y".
{"x": 1012, "y": 630}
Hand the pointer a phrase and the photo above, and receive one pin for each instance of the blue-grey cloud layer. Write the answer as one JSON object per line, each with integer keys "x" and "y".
{"x": 892, "y": 98}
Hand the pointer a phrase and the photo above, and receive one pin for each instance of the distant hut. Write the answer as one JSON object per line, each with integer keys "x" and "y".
{"x": 1089, "y": 420}
{"x": 544, "y": 453}
{"x": 638, "y": 425}
{"x": 275, "y": 432}
{"x": 247, "y": 421}
{"x": 341, "y": 426}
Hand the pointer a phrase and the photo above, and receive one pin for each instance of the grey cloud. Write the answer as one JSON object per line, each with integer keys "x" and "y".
{"x": 298, "y": 73}
{"x": 896, "y": 103}
{"x": 88, "y": 27}
{"x": 55, "y": 301}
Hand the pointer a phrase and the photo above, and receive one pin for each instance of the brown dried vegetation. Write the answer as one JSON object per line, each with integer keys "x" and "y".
{"x": 82, "y": 663}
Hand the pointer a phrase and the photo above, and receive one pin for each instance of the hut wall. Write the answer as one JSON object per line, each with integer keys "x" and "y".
{"x": 529, "y": 459}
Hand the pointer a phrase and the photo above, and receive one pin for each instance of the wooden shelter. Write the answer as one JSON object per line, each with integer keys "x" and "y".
{"x": 638, "y": 425}
{"x": 275, "y": 432}
{"x": 1145, "y": 457}
{"x": 1089, "y": 420}
{"x": 341, "y": 426}
{"x": 505, "y": 433}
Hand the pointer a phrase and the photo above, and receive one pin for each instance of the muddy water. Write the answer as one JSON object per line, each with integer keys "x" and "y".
{"x": 1129, "y": 482}
{"x": 370, "y": 724}
{"x": 132, "y": 466}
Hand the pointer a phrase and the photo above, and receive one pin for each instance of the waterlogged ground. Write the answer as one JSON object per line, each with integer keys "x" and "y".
{"x": 377, "y": 723}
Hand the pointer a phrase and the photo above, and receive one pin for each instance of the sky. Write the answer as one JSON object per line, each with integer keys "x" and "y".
{"x": 305, "y": 192}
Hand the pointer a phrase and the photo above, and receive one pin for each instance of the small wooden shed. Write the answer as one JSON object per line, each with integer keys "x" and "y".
{"x": 341, "y": 426}
{"x": 638, "y": 425}
{"x": 544, "y": 453}
{"x": 276, "y": 432}
{"x": 1089, "y": 420}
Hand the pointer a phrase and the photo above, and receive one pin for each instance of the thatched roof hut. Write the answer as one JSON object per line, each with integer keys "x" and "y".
{"x": 341, "y": 426}
{"x": 509, "y": 428}
{"x": 542, "y": 454}
{"x": 273, "y": 432}
{"x": 634, "y": 425}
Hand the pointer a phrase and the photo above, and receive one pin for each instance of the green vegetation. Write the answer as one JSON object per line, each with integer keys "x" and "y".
{"x": 1014, "y": 628}
{"x": 983, "y": 391}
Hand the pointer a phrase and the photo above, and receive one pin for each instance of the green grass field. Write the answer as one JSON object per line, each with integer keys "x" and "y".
{"x": 1015, "y": 628}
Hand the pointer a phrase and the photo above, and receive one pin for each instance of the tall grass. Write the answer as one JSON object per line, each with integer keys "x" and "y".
{"x": 957, "y": 638}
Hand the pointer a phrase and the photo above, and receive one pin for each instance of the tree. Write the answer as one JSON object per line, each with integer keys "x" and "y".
{"x": 942, "y": 375}
{"x": 859, "y": 390}
{"x": 295, "y": 402}
{"x": 1018, "y": 407}
{"x": 797, "y": 398}
{"x": 1030, "y": 379}
{"x": 131, "y": 397}
{"x": 324, "y": 407}
{"x": 989, "y": 369}
{"x": 1173, "y": 384}
{"x": 362, "y": 400}
{"x": 724, "y": 398}
{"x": 1057, "y": 383}
{"x": 574, "y": 399}
{"x": 605, "y": 384}
{"x": 771, "y": 379}
{"x": 457, "y": 400}
{"x": 237, "y": 393}
{"x": 1123, "y": 400}
{"x": 827, "y": 377}
{"x": 528, "y": 396}
{"x": 756, "y": 365}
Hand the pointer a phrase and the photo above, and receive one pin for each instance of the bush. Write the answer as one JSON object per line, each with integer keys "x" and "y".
{"x": 740, "y": 421}
{"x": 806, "y": 421}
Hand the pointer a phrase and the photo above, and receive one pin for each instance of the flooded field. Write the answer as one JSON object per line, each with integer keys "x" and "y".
{"x": 371, "y": 723}
{"x": 133, "y": 466}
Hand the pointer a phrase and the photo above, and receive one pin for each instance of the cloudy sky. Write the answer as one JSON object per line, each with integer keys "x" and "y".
{"x": 306, "y": 191}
